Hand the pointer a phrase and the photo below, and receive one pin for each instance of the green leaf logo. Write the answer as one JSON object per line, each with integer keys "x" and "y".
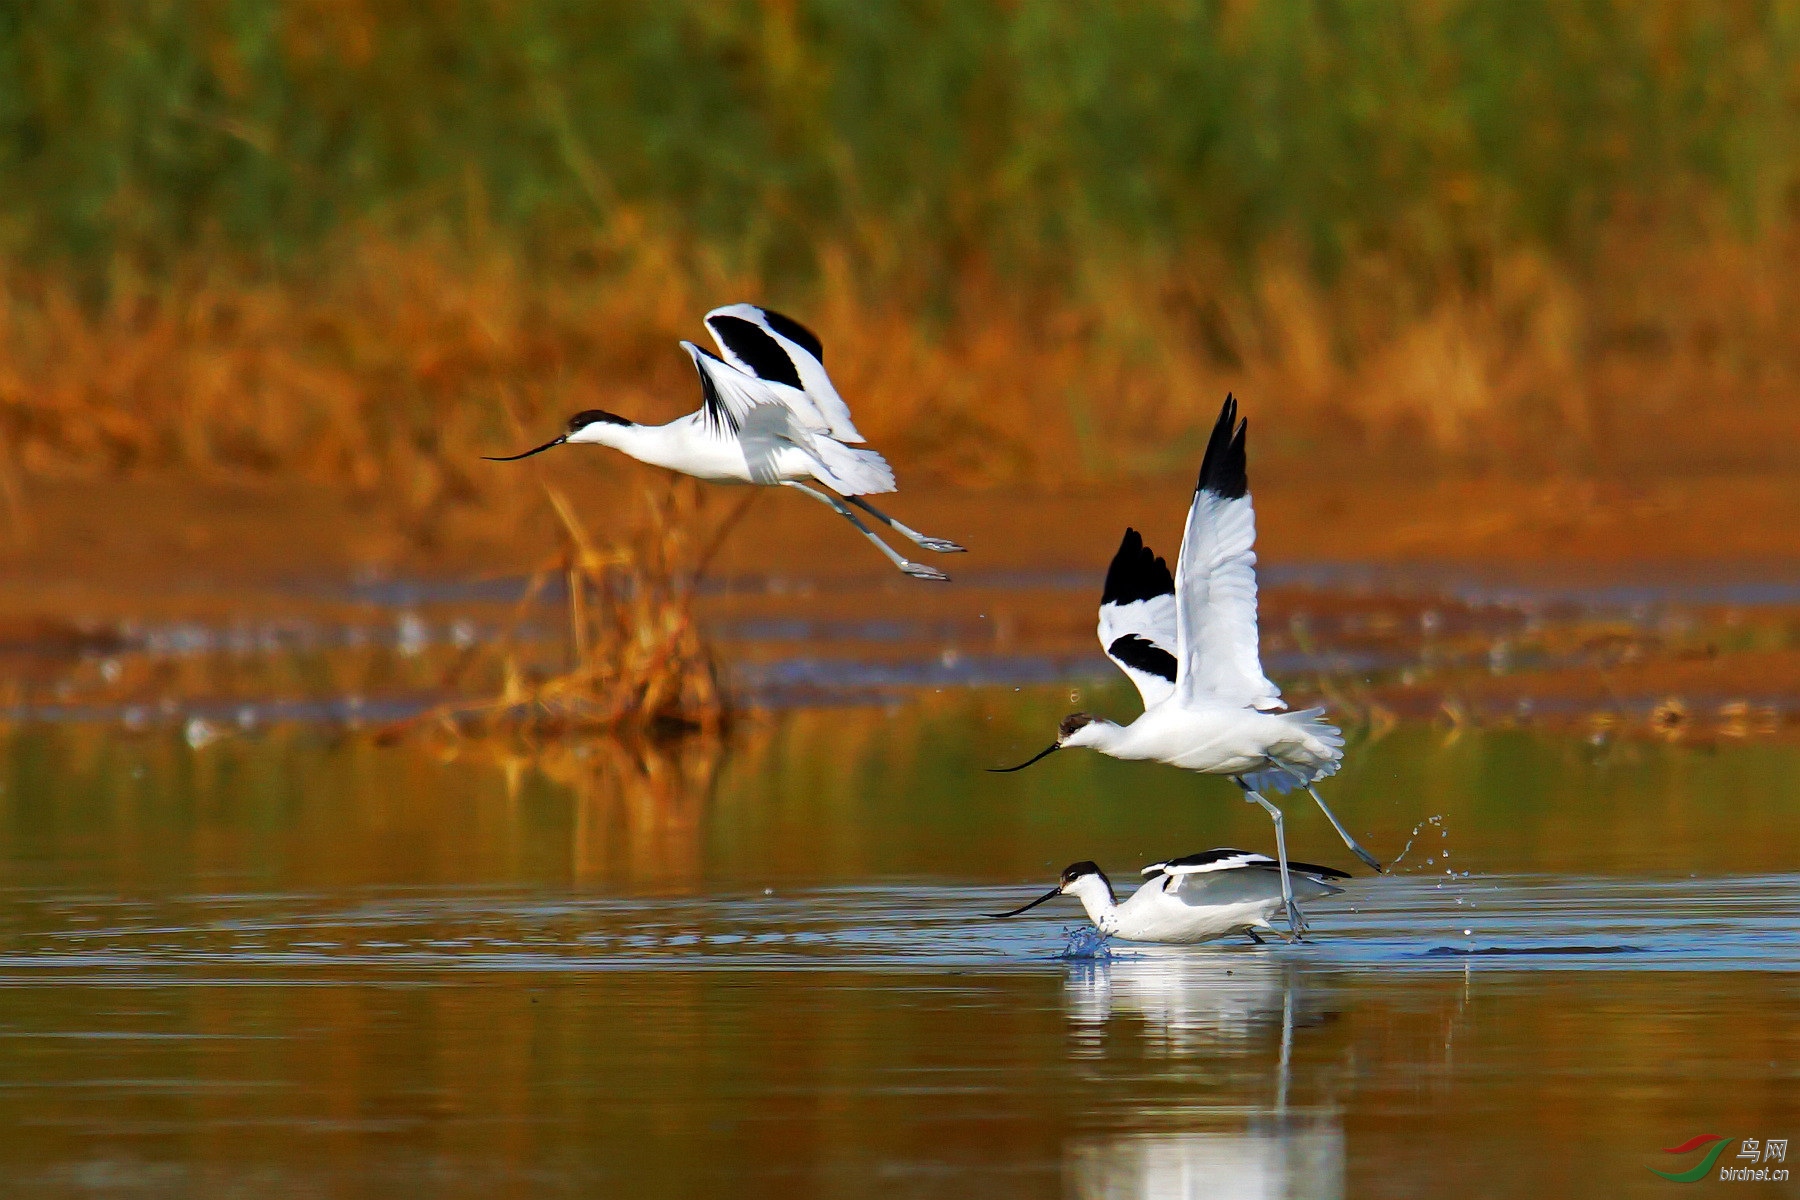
{"x": 1700, "y": 1170}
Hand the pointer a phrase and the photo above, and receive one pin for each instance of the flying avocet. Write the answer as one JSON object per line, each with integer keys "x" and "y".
{"x": 1189, "y": 644}
{"x": 1192, "y": 899}
{"x": 769, "y": 415}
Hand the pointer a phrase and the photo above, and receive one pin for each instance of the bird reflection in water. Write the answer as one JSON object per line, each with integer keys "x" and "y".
{"x": 639, "y": 804}
{"x": 1245, "y": 1140}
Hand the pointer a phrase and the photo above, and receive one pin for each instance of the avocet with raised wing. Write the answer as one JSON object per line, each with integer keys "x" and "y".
{"x": 1192, "y": 899}
{"x": 769, "y": 415}
{"x": 1189, "y": 643}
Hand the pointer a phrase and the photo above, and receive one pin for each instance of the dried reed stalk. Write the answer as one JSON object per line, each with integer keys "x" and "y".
{"x": 637, "y": 661}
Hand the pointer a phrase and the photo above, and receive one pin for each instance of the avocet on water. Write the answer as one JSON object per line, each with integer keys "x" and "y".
{"x": 1192, "y": 899}
{"x": 768, "y": 415}
{"x": 1189, "y": 644}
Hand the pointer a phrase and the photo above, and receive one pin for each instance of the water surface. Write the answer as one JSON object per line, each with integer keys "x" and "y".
{"x": 290, "y": 962}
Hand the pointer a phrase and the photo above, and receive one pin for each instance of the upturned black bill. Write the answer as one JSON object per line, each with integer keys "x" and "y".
{"x": 1052, "y": 894}
{"x": 1046, "y": 750}
{"x": 516, "y": 457}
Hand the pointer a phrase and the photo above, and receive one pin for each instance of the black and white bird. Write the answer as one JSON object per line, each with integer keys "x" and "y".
{"x": 1192, "y": 899}
{"x": 769, "y": 415}
{"x": 1189, "y": 643}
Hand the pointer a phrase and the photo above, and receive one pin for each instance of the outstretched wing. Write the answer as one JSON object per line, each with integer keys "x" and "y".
{"x": 1137, "y": 619}
{"x": 1215, "y": 581}
{"x": 755, "y": 414}
{"x": 779, "y": 350}
{"x": 730, "y": 395}
{"x": 1226, "y": 876}
{"x": 1208, "y": 861}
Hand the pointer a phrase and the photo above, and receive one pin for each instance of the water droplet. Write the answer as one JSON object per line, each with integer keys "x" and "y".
{"x": 411, "y": 635}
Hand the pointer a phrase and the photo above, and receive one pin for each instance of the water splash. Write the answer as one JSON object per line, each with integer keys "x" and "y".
{"x": 1087, "y": 944}
{"x": 1434, "y": 822}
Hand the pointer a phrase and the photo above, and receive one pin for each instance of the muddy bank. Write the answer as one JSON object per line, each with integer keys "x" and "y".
{"x": 169, "y": 546}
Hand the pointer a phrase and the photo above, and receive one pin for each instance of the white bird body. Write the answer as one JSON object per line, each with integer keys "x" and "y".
{"x": 678, "y": 446}
{"x": 770, "y": 416}
{"x": 1188, "y": 641}
{"x": 1156, "y": 913}
{"x": 1219, "y": 739}
{"x": 1190, "y": 900}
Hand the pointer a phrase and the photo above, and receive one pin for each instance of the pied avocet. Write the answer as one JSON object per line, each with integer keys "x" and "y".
{"x": 1192, "y": 899}
{"x": 1189, "y": 643}
{"x": 769, "y": 415}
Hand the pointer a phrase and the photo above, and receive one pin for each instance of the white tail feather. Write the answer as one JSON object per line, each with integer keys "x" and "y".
{"x": 851, "y": 471}
{"x": 1312, "y": 751}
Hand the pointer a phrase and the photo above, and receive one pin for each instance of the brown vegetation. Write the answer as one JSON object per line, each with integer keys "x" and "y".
{"x": 389, "y": 368}
{"x": 636, "y": 660}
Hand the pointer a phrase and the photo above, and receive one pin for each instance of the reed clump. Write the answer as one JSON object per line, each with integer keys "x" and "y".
{"x": 635, "y": 660}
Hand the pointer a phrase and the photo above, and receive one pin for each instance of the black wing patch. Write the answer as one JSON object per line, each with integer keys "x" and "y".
{"x": 713, "y": 409}
{"x": 796, "y": 333}
{"x": 1207, "y": 857}
{"x": 1300, "y": 868}
{"x": 1261, "y": 863}
{"x": 1224, "y": 471}
{"x": 1143, "y": 655}
{"x": 762, "y": 353}
{"x": 1136, "y": 574}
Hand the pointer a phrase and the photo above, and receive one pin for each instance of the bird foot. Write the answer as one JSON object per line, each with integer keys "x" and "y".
{"x": 921, "y": 571}
{"x": 941, "y": 545}
{"x": 1296, "y": 923}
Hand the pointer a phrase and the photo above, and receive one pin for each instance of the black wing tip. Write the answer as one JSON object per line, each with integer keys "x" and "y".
{"x": 714, "y": 412}
{"x": 1136, "y": 573}
{"x": 1300, "y": 868}
{"x": 796, "y": 333}
{"x": 1225, "y": 470}
{"x": 752, "y": 344}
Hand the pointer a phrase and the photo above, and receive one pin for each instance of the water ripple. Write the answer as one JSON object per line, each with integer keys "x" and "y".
{"x": 1489, "y": 923}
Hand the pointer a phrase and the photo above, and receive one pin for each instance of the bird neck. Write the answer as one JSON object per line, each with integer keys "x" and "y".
{"x": 1098, "y": 734}
{"x": 646, "y": 443}
{"x": 1102, "y": 909}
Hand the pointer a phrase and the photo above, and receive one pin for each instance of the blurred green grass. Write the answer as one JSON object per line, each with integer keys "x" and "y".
{"x": 927, "y": 136}
{"x": 366, "y": 241}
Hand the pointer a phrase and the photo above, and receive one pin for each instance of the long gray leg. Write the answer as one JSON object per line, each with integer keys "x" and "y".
{"x": 1285, "y": 1070}
{"x": 1296, "y": 924}
{"x": 941, "y": 545}
{"x": 916, "y": 570}
{"x": 1344, "y": 833}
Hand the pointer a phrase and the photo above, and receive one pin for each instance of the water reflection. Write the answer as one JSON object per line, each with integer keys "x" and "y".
{"x": 639, "y": 806}
{"x": 1295, "y": 1159}
{"x": 753, "y": 970}
{"x": 1188, "y": 1002}
{"x": 1192, "y": 1005}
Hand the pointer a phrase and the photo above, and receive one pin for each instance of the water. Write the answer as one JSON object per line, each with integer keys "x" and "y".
{"x": 290, "y": 962}
{"x": 1414, "y": 641}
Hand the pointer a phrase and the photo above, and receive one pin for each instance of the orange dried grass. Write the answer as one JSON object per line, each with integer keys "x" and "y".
{"x": 637, "y": 662}
{"x": 389, "y": 368}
